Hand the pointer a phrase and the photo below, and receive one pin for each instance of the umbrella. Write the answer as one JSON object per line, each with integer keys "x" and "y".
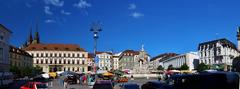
{"x": 107, "y": 74}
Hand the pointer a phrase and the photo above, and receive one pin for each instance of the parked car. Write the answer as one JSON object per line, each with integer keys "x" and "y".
{"x": 213, "y": 80}
{"x": 72, "y": 79}
{"x": 155, "y": 84}
{"x": 35, "y": 85}
{"x": 103, "y": 84}
{"x": 129, "y": 86}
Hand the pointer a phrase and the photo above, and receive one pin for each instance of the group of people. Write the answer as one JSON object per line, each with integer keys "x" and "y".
{"x": 82, "y": 80}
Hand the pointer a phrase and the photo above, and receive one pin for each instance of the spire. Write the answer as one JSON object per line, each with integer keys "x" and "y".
{"x": 30, "y": 39}
{"x": 36, "y": 35}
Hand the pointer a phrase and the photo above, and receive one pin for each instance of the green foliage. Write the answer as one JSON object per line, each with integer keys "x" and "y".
{"x": 25, "y": 71}
{"x": 184, "y": 67}
{"x": 202, "y": 67}
{"x": 160, "y": 67}
{"x": 170, "y": 67}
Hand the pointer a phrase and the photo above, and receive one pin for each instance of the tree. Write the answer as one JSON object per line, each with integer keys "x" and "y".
{"x": 184, "y": 67}
{"x": 160, "y": 67}
{"x": 170, "y": 67}
{"x": 202, "y": 67}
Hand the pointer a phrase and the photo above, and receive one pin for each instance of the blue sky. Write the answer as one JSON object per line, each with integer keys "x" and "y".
{"x": 161, "y": 25}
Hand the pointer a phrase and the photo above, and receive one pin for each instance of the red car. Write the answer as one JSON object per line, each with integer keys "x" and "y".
{"x": 35, "y": 85}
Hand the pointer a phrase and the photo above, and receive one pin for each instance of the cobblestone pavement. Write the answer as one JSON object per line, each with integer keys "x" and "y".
{"x": 55, "y": 84}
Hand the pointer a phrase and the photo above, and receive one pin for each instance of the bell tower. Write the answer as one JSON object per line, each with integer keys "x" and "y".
{"x": 238, "y": 38}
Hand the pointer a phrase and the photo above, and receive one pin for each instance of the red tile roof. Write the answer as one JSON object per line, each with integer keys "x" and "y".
{"x": 131, "y": 52}
{"x": 16, "y": 50}
{"x": 55, "y": 47}
{"x": 91, "y": 55}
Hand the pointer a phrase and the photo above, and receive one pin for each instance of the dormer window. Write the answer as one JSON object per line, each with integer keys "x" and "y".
{"x": 55, "y": 48}
{"x": 66, "y": 48}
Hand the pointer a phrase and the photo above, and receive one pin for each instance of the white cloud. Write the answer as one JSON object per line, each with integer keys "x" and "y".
{"x": 50, "y": 21}
{"x": 47, "y": 10}
{"x": 54, "y": 2}
{"x": 82, "y": 4}
{"x": 132, "y": 6}
{"x": 65, "y": 13}
{"x": 136, "y": 15}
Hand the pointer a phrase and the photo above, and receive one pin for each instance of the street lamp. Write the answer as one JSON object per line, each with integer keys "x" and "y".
{"x": 95, "y": 29}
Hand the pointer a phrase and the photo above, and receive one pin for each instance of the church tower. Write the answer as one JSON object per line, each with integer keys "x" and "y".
{"x": 238, "y": 38}
{"x": 36, "y": 36}
{"x": 30, "y": 38}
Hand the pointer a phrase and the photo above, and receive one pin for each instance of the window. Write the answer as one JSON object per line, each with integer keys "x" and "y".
{"x": 37, "y": 55}
{"x": 78, "y": 55}
{"x": 51, "y": 54}
{"x": 1, "y": 53}
{"x": 41, "y": 61}
{"x": 60, "y": 61}
{"x": 55, "y": 55}
{"x": 73, "y": 62}
{"x": 69, "y": 55}
{"x": 77, "y": 61}
{"x": 46, "y": 55}
{"x": 1, "y": 37}
{"x": 64, "y": 61}
{"x": 36, "y": 61}
{"x": 50, "y": 61}
{"x": 55, "y": 61}
{"x": 73, "y": 55}
{"x": 83, "y": 55}
{"x": 83, "y": 62}
{"x": 46, "y": 61}
{"x": 41, "y": 54}
{"x": 68, "y": 61}
{"x": 64, "y": 55}
{"x": 60, "y": 55}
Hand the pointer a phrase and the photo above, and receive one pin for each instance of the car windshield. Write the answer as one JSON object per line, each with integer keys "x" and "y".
{"x": 41, "y": 86}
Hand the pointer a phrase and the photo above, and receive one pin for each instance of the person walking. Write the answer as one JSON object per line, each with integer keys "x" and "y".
{"x": 81, "y": 80}
{"x": 65, "y": 83}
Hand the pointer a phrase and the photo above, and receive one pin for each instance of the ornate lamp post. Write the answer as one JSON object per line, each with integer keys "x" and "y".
{"x": 95, "y": 29}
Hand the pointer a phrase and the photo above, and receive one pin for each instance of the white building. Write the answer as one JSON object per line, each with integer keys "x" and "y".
{"x": 191, "y": 59}
{"x": 105, "y": 60}
{"x": 115, "y": 63}
{"x": 155, "y": 61}
{"x": 220, "y": 51}
{"x": 4, "y": 48}
{"x": 59, "y": 57}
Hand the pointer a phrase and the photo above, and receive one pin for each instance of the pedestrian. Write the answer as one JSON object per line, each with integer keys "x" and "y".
{"x": 65, "y": 83}
{"x": 80, "y": 80}
{"x": 132, "y": 77}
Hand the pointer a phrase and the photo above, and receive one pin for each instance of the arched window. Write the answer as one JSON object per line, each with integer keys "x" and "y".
{"x": 73, "y": 61}
{"x": 46, "y": 61}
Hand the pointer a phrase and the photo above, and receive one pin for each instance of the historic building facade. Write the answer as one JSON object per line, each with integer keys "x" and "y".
{"x": 105, "y": 60}
{"x": 115, "y": 63}
{"x": 191, "y": 59}
{"x": 134, "y": 61}
{"x": 220, "y": 51}
{"x": 20, "y": 58}
{"x": 56, "y": 57}
{"x": 156, "y": 61}
{"x": 4, "y": 48}
{"x": 59, "y": 57}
